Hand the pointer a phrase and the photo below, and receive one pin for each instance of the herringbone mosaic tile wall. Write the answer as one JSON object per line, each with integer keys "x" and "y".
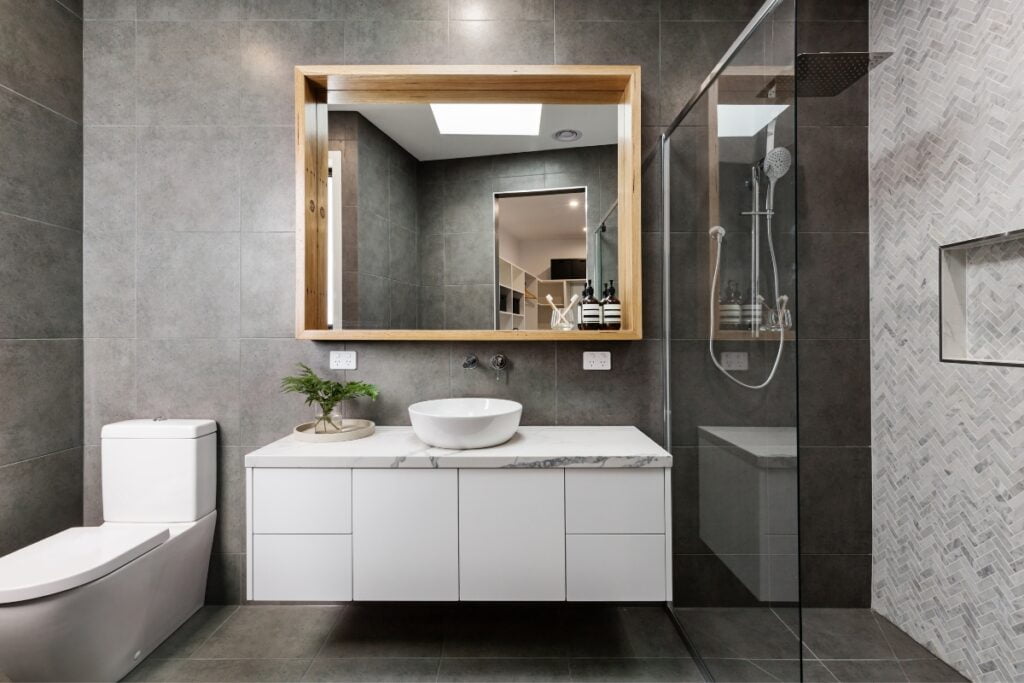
{"x": 947, "y": 164}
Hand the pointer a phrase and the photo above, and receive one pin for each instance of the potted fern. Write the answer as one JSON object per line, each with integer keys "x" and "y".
{"x": 328, "y": 398}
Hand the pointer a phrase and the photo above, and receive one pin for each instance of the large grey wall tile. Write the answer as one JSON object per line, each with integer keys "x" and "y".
{"x": 188, "y": 10}
{"x": 294, "y": 10}
{"x": 108, "y": 285}
{"x": 405, "y": 372}
{"x": 395, "y": 10}
{"x": 41, "y": 279}
{"x": 469, "y": 307}
{"x": 110, "y": 387}
{"x": 835, "y": 580}
{"x": 469, "y": 259}
{"x": 187, "y": 72}
{"x": 828, "y": 416}
{"x": 188, "y": 179}
{"x": 612, "y": 397}
{"x": 610, "y": 42}
{"x": 229, "y": 536}
{"x": 517, "y": 10}
{"x": 40, "y": 497}
{"x": 469, "y": 206}
{"x": 833, "y": 301}
{"x": 606, "y": 10}
{"x": 501, "y": 42}
{"x": 709, "y": 10}
{"x": 833, "y": 179}
{"x": 404, "y": 256}
{"x": 268, "y": 285}
{"x": 109, "y": 9}
{"x": 40, "y": 54}
{"x": 108, "y": 181}
{"x": 46, "y": 150}
{"x": 92, "y": 487}
{"x": 109, "y": 56}
{"x": 41, "y": 394}
{"x": 267, "y": 179}
{"x": 396, "y": 42}
{"x": 270, "y": 52}
{"x": 689, "y": 50}
{"x": 835, "y": 497}
{"x": 188, "y": 285}
{"x": 191, "y": 378}
{"x": 267, "y": 413}
{"x": 529, "y": 380}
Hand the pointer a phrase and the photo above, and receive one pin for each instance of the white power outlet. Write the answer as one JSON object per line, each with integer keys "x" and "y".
{"x": 735, "y": 360}
{"x": 597, "y": 360}
{"x": 343, "y": 360}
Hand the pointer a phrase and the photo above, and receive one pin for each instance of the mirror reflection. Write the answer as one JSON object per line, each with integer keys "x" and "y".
{"x": 468, "y": 216}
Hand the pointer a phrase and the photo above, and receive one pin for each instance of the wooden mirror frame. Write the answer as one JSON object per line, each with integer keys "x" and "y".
{"x": 318, "y": 86}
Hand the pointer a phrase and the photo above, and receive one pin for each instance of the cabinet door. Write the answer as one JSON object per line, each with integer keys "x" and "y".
{"x": 615, "y": 567}
{"x": 615, "y": 501}
{"x": 405, "y": 534}
{"x": 311, "y": 567}
{"x": 301, "y": 501}
{"x": 512, "y": 534}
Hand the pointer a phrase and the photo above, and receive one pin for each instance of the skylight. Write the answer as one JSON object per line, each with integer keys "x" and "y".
{"x": 487, "y": 119}
{"x": 746, "y": 120}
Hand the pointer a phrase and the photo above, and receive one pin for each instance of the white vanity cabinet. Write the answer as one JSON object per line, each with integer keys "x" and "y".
{"x": 368, "y": 520}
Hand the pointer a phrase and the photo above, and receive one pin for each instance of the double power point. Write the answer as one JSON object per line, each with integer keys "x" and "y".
{"x": 597, "y": 360}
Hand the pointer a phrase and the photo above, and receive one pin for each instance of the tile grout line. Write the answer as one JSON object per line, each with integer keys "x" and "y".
{"x": 214, "y": 632}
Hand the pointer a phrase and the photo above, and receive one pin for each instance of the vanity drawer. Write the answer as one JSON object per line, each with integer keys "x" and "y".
{"x": 301, "y": 501}
{"x": 615, "y": 501}
{"x": 314, "y": 567}
{"x": 615, "y": 567}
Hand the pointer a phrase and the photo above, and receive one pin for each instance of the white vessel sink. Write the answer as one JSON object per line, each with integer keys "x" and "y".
{"x": 465, "y": 422}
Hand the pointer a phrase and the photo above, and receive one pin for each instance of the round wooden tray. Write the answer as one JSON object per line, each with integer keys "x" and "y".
{"x": 350, "y": 430}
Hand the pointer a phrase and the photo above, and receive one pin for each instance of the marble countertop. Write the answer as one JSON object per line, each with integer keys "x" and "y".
{"x": 773, "y": 447}
{"x": 390, "y": 447}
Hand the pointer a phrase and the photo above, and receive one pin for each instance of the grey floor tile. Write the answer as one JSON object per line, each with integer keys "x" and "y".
{"x": 507, "y": 669}
{"x": 497, "y": 631}
{"x": 597, "y": 631}
{"x": 740, "y": 632}
{"x": 903, "y": 646}
{"x": 271, "y": 631}
{"x": 652, "y": 633}
{"x": 635, "y": 669}
{"x": 865, "y": 670}
{"x": 929, "y": 671}
{"x": 387, "y": 631}
{"x": 789, "y": 670}
{"x": 844, "y": 634}
{"x": 374, "y": 669}
{"x": 220, "y": 670}
{"x": 194, "y": 632}
{"x": 746, "y": 671}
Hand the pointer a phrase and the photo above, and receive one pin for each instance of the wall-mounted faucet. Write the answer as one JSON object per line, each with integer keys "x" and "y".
{"x": 500, "y": 363}
{"x": 470, "y": 362}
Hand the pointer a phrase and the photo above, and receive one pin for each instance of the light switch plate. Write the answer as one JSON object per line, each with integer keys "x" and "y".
{"x": 735, "y": 360}
{"x": 343, "y": 360}
{"x": 597, "y": 360}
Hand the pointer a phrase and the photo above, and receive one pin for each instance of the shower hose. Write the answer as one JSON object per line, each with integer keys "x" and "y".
{"x": 717, "y": 233}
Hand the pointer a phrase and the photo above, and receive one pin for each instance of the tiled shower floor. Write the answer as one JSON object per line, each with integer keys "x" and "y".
{"x": 466, "y": 642}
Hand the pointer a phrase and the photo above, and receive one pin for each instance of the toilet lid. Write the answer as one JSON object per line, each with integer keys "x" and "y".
{"x": 73, "y": 557}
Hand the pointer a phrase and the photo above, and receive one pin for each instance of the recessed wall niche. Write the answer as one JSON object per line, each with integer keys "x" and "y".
{"x": 982, "y": 300}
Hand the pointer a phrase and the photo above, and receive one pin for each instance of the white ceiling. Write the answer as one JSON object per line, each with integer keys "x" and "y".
{"x": 412, "y": 126}
{"x": 543, "y": 216}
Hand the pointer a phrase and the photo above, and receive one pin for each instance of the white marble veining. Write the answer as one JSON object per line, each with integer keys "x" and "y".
{"x": 390, "y": 447}
{"x": 761, "y": 446}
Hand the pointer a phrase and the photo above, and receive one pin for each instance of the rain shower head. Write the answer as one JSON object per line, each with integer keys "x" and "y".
{"x": 823, "y": 74}
{"x": 777, "y": 163}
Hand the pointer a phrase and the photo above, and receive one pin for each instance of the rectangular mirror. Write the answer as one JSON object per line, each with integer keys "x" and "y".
{"x": 467, "y": 202}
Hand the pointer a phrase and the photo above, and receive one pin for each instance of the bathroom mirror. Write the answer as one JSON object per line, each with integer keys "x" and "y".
{"x": 466, "y": 202}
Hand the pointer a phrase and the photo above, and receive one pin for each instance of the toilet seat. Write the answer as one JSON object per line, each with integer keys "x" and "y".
{"x": 74, "y": 557}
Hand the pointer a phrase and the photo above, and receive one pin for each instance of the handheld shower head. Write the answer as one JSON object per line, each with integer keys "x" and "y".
{"x": 777, "y": 163}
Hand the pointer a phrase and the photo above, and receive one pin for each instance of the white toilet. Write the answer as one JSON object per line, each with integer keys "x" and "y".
{"x": 89, "y": 603}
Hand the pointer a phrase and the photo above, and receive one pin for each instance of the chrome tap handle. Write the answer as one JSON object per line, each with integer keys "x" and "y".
{"x": 470, "y": 362}
{"x": 500, "y": 364}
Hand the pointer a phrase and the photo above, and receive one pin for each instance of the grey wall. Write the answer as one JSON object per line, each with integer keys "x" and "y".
{"x": 456, "y": 222}
{"x": 834, "y": 356}
{"x": 193, "y": 268}
{"x": 40, "y": 270}
{"x": 948, "y": 439}
{"x": 380, "y": 262}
